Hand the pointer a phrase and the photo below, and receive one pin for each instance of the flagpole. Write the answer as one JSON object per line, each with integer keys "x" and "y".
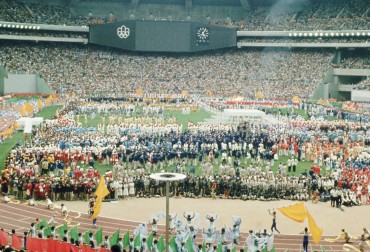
{"x": 167, "y": 214}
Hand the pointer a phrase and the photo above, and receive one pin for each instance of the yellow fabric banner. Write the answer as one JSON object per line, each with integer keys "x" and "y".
{"x": 101, "y": 192}
{"x": 22, "y": 110}
{"x": 29, "y": 108}
{"x": 39, "y": 104}
{"x": 296, "y": 212}
{"x": 315, "y": 230}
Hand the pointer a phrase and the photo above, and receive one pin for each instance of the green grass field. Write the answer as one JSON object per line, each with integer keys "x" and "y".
{"x": 194, "y": 117}
{"x": 9, "y": 143}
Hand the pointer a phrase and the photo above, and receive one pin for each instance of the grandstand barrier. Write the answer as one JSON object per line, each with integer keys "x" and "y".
{"x": 24, "y": 83}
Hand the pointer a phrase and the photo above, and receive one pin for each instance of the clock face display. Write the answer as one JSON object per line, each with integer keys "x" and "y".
{"x": 202, "y": 35}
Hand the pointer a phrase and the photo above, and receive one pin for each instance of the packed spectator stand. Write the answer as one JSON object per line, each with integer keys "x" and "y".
{"x": 99, "y": 72}
{"x": 318, "y": 15}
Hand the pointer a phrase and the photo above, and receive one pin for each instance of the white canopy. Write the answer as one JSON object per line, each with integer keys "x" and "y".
{"x": 26, "y": 123}
{"x": 244, "y": 113}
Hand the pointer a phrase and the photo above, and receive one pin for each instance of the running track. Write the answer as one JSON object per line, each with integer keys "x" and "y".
{"x": 17, "y": 215}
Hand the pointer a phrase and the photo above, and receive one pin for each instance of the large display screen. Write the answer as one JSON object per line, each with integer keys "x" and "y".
{"x": 162, "y": 36}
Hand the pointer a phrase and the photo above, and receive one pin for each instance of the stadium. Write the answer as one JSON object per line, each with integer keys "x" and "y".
{"x": 184, "y": 125}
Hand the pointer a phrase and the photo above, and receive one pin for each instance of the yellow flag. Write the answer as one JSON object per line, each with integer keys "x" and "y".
{"x": 39, "y": 104}
{"x": 316, "y": 231}
{"x": 296, "y": 212}
{"x": 28, "y": 108}
{"x": 100, "y": 193}
{"x": 22, "y": 111}
{"x": 259, "y": 95}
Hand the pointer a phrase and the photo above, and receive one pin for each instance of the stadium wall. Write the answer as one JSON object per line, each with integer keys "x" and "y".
{"x": 42, "y": 87}
{"x": 3, "y": 74}
{"x": 23, "y": 83}
{"x": 20, "y": 83}
{"x": 326, "y": 88}
{"x": 360, "y": 95}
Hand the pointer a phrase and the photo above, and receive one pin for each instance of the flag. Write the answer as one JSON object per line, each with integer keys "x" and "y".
{"x": 87, "y": 236}
{"x": 114, "y": 238}
{"x": 28, "y": 107}
{"x": 74, "y": 233}
{"x": 126, "y": 239}
{"x": 101, "y": 192}
{"x": 22, "y": 111}
{"x": 316, "y": 231}
{"x": 161, "y": 245}
{"x": 47, "y": 232}
{"x": 189, "y": 245}
{"x": 173, "y": 244}
{"x": 137, "y": 241}
{"x": 204, "y": 246}
{"x": 150, "y": 241}
{"x": 62, "y": 229}
{"x": 4, "y": 238}
{"x": 295, "y": 212}
{"x": 219, "y": 247}
{"x": 39, "y": 104}
{"x": 99, "y": 236}
{"x": 43, "y": 223}
{"x": 16, "y": 242}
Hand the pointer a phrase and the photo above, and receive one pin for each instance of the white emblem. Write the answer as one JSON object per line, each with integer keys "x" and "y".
{"x": 123, "y": 32}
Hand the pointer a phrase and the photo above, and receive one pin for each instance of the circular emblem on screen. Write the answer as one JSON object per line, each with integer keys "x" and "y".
{"x": 123, "y": 32}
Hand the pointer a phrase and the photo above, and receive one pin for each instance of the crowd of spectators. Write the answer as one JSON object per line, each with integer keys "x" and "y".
{"x": 357, "y": 61}
{"x": 93, "y": 71}
{"x": 319, "y": 15}
{"x": 38, "y": 13}
{"x": 363, "y": 85}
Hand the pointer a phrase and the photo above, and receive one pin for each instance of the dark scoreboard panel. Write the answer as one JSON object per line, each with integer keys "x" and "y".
{"x": 162, "y": 36}
{"x": 118, "y": 34}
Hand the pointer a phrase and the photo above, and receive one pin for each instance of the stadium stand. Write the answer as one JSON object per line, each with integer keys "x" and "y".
{"x": 95, "y": 71}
